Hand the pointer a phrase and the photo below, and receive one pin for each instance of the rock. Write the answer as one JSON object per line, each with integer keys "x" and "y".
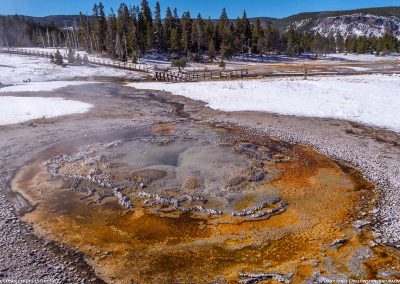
{"x": 360, "y": 224}
{"x": 253, "y": 210}
{"x": 338, "y": 243}
{"x": 255, "y": 177}
{"x": 255, "y": 277}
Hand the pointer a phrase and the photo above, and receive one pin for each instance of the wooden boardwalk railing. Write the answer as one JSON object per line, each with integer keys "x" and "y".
{"x": 167, "y": 76}
{"x": 91, "y": 60}
{"x": 159, "y": 75}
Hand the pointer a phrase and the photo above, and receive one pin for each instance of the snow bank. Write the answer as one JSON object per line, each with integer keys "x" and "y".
{"x": 15, "y": 69}
{"x": 357, "y": 68}
{"x": 42, "y": 86}
{"x": 372, "y": 100}
{"x": 337, "y": 57}
{"x": 20, "y": 109}
{"x": 361, "y": 57}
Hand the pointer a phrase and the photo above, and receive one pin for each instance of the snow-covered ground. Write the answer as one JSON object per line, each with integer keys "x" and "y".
{"x": 160, "y": 61}
{"x": 358, "y": 68}
{"x": 20, "y": 109}
{"x": 15, "y": 69}
{"x": 371, "y": 99}
{"x": 361, "y": 57}
{"x": 42, "y": 86}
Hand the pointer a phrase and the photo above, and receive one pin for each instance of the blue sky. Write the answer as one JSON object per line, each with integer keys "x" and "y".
{"x": 271, "y": 8}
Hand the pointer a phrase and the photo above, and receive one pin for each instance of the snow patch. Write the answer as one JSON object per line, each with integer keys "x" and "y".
{"x": 17, "y": 69}
{"x": 20, "y": 109}
{"x": 42, "y": 86}
{"x": 369, "y": 99}
{"x": 361, "y": 57}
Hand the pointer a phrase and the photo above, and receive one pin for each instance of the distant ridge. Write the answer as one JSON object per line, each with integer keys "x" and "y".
{"x": 394, "y": 11}
{"x": 379, "y": 11}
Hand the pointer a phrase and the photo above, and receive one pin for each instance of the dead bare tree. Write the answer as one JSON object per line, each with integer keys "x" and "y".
{"x": 48, "y": 37}
{"x": 42, "y": 38}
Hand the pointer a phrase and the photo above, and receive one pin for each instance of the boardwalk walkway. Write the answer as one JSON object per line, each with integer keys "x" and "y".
{"x": 159, "y": 75}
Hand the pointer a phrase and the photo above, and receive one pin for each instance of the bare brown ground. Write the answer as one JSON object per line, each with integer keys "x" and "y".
{"x": 320, "y": 66}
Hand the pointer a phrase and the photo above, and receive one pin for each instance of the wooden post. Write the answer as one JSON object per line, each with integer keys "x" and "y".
{"x": 305, "y": 71}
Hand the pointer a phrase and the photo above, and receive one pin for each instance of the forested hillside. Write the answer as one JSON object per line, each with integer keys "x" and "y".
{"x": 24, "y": 31}
{"x": 134, "y": 31}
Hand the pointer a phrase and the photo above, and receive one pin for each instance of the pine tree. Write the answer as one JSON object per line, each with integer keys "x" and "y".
{"x": 227, "y": 48}
{"x": 351, "y": 44}
{"x": 58, "y": 59}
{"x": 158, "y": 29}
{"x": 389, "y": 43}
{"x": 257, "y": 38}
{"x": 305, "y": 42}
{"x": 148, "y": 23}
{"x": 180, "y": 63}
{"x": 246, "y": 32}
{"x": 293, "y": 42}
{"x": 271, "y": 38}
{"x": 123, "y": 26}
{"x": 174, "y": 41}
{"x": 133, "y": 41}
{"x": 111, "y": 34}
{"x": 101, "y": 29}
{"x": 95, "y": 23}
{"x": 78, "y": 60}
{"x": 85, "y": 59}
{"x": 141, "y": 32}
{"x": 168, "y": 26}
{"x": 186, "y": 32}
{"x": 239, "y": 37}
{"x": 331, "y": 43}
{"x": 225, "y": 35}
{"x": 84, "y": 33}
{"x": 71, "y": 56}
{"x": 198, "y": 44}
{"x": 211, "y": 49}
{"x": 317, "y": 45}
{"x": 339, "y": 42}
{"x": 361, "y": 45}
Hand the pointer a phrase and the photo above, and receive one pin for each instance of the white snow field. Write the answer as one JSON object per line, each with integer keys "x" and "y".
{"x": 370, "y": 99}
{"x": 17, "y": 69}
{"x": 42, "y": 86}
{"x": 361, "y": 57}
{"x": 20, "y": 109}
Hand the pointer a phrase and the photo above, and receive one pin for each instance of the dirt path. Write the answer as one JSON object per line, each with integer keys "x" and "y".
{"x": 220, "y": 247}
